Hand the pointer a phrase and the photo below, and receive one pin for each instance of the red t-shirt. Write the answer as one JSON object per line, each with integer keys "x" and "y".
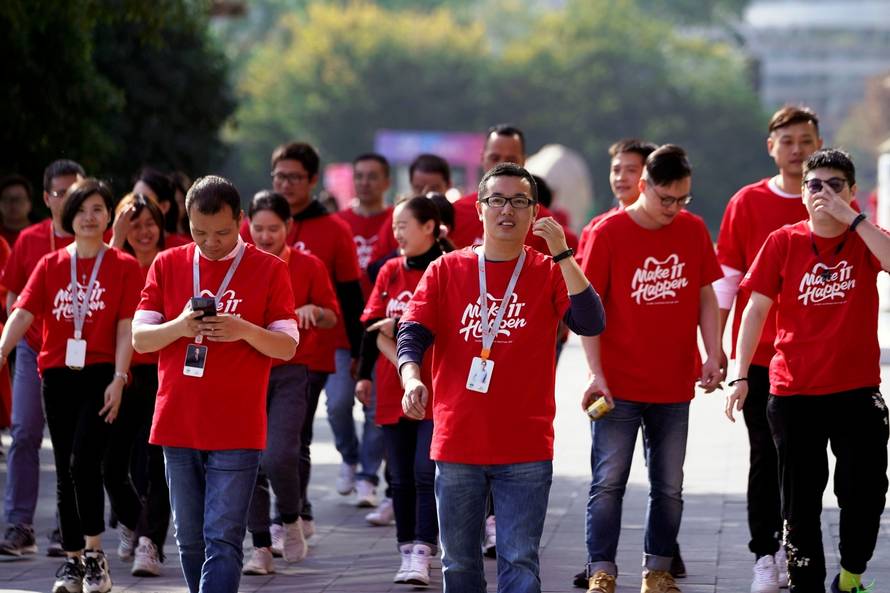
{"x": 176, "y": 240}
{"x": 513, "y": 422}
{"x": 148, "y": 357}
{"x": 650, "y": 283}
{"x": 584, "y": 240}
{"x": 47, "y": 295}
{"x": 10, "y": 235}
{"x": 365, "y": 231}
{"x": 827, "y": 329}
{"x": 328, "y": 238}
{"x": 226, "y": 408}
{"x": 311, "y": 284}
{"x": 752, "y": 214}
{"x": 393, "y": 289}
{"x": 468, "y": 229}
{"x": 386, "y": 240}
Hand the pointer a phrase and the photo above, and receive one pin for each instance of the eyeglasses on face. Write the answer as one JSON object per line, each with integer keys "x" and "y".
{"x": 293, "y": 178}
{"x": 668, "y": 201}
{"x": 516, "y": 202}
{"x": 815, "y": 185}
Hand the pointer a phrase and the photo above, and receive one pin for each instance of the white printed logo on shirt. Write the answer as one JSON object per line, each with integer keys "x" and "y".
{"x": 364, "y": 248}
{"x": 396, "y": 305}
{"x": 63, "y": 307}
{"x": 301, "y": 246}
{"x": 472, "y": 317}
{"x": 657, "y": 282}
{"x": 227, "y": 303}
{"x": 826, "y": 285}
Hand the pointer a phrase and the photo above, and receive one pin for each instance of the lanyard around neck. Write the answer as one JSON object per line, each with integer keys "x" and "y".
{"x": 80, "y": 310}
{"x": 196, "y": 273}
{"x": 490, "y": 329}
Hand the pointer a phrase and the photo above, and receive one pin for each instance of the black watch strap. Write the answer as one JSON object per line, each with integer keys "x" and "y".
{"x": 561, "y": 256}
{"x": 856, "y": 221}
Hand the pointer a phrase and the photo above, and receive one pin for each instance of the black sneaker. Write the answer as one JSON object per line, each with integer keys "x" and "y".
{"x": 54, "y": 549}
{"x": 96, "y": 578}
{"x": 19, "y": 539}
{"x": 678, "y": 567}
{"x": 69, "y": 577}
{"x": 580, "y": 580}
{"x": 836, "y": 588}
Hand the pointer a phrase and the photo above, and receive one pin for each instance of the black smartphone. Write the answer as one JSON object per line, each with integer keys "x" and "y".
{"x": 206, "y": 305}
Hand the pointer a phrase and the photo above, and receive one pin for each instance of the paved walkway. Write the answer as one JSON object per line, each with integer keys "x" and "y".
{"x": 348, "y": 555}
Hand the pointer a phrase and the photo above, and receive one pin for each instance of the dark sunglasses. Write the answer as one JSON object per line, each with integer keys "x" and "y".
{"x": 835, "y": 183}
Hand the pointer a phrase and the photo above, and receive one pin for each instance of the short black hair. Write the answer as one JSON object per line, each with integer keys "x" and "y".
{"x": 430, "y": 163}
{"x": 425, "y": 209}
{"x": 832, "y": 158}
{"x": 78, "y": 194}
{"x": 506, "y": 130}
{"x": 634, "y": 145}
{"x": 545, "y": 196}
{"x": 667, "y": 164}
{"x": 16, "y": 179}
{"x": 272, "y": 201}
{"x": 446, "y": 208}
{"x": 60, "y": 168}
{"x": 165, "y": 190}
{"x": 508, "y": 170}
{"x": 298, "y": 151}
{"x": 210, "y": 193}
{"x": 373, "y": 156}
{"x": 793, "y": 114}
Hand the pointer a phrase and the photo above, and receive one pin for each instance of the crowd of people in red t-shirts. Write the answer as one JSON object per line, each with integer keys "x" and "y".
{"x": 177, "y": 348}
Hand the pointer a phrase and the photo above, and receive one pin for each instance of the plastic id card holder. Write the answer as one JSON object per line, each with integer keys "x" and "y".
{"x": 480, "y": 375}
{"x": 195, "y": 359}
{"x": 76, "y": 354}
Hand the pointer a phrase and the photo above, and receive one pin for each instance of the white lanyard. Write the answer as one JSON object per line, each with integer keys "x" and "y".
{"x": 490, "y": 329}
{"x": 80, "y": 311}
{"x": 196, "y": 274}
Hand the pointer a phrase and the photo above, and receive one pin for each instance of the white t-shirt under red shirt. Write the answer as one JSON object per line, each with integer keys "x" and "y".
{"x": 650, "y": 283}
{"x": 226, "y": 408}
{"x": 826, "y": 311}
{"x": 513, "y": 422}
{"x": 48, "y": 296}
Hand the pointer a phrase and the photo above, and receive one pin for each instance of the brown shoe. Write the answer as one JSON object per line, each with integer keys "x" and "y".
{"x": 601, "y": 582}
{"x": 659, "y": 581}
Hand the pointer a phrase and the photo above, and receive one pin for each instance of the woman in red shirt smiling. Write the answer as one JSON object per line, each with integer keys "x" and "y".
{"x": 85, "y": 296}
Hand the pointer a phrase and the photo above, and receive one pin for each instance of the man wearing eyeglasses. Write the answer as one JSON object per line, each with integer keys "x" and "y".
{"x": 752, "y": 214}
{"x": 653, "y": 265}
{"x": 491, "y": 314}
{"x": 819, "y": 278}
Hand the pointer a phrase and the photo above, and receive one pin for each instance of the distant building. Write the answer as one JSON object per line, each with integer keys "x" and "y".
{"x": 817, "y": 52}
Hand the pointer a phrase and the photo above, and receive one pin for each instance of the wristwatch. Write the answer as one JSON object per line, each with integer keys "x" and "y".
{"x": 120, "y": 375}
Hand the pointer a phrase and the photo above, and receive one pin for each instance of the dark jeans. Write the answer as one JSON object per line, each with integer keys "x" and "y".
{"x": 764, "y": 514}
{"x": 72, "y": 400}
{"x": 316, "y": 384}
{"x": 854, "y": 423}
{"x": 413, "y": 476}
{"x": 124, "y": 466}
{"x": 279, "y": 465}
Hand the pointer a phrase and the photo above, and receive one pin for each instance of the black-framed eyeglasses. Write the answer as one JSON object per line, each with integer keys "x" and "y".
{"x": 668, "y": 201}
{"x": 814, "y": 185}
{"x": 289, "y": 177}
{"x": 57, "y": 193}
{"x": 516, "y": 202}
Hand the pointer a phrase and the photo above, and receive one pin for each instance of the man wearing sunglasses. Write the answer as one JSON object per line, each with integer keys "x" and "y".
{"x": 752, "y": 214}
{"x": 819, "y": 277}
{"x": 653, "y": 265}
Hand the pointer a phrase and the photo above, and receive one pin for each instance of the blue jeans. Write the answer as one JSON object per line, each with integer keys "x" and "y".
{"x": 665, "y": 427}
{"x": 210, "y": 494}
{"x": 27, "y": 435}
{"x": 340, "y": 390}
{"x": 520, "y": 492}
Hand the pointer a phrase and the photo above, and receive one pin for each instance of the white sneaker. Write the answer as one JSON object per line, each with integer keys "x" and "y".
{"x": 277, "y": 533}
{"x": 294, "y": 542}
{"x": 127, "y": 543}
{"x": 419, "y": 572}
{"x": 260, "y": 562}
{"x": 383, "y": 516}
{"x": 69, "y": 577}
{"x": 346, "y": 479}
{"x": 96, "y": 578}
{"x": 782, "y": 567}
{"x": 766, "y": 577}
{"x": 146, "y": 563}
{"x": 308, "y": 526}
{"x": 405, "y": 568}
{"x": 490, "y": 543}
{"x": 366, "y": 494}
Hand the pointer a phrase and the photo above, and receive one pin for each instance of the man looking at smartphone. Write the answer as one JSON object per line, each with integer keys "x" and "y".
{"x": 210, "y": 421}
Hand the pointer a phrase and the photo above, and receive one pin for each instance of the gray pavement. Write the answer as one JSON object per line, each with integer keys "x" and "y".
{"x": 349, "y": 555}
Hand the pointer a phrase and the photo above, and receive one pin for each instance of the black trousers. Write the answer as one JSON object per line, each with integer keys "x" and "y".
{"x": 72, "y": 400}
{"x": 130, "y": 459}
{"x": 316, "y": 384}
{"x": 764, "y": 506}
{"x": 855, "y": 424}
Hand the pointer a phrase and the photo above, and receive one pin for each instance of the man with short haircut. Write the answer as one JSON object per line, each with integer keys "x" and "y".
{"x": 816, "y": 281}
{"x": 23, "y": 461}
{"x": 653, "y": 265}
{"x": 493, "y": 379}
{"x": 628, "y": 159}
{"x": 752, "y": 214}
{"x": 15, "y": 207}
{"x": 210, "y": 421}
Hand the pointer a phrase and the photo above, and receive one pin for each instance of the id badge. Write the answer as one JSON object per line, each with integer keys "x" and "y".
{"x": 480, "y": 375}
{"x": 76, "y": 354}
{"x": 195, "y": 359}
